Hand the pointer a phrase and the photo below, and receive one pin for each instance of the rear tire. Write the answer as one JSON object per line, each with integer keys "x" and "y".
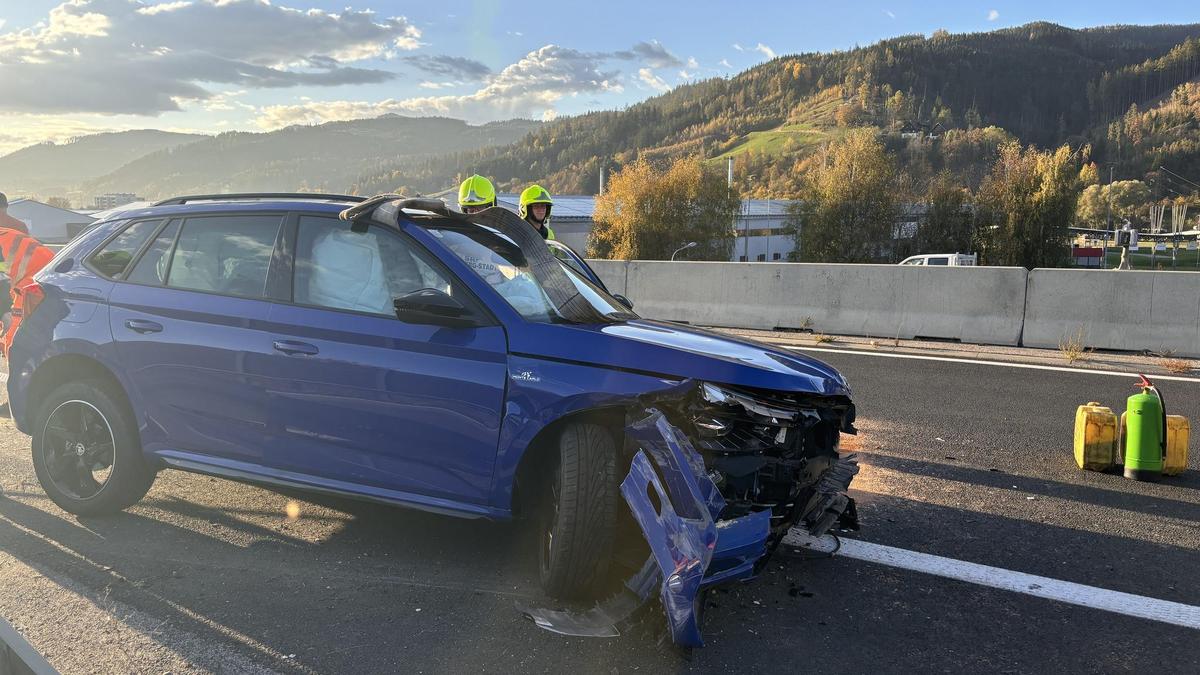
{"x": 86, "y": 450}
{"x": 578, "y": 513}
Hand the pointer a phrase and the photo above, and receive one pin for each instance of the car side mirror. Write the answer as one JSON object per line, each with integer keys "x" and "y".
{"x": 431, "y": 306}
{"x": 624, "y": 301}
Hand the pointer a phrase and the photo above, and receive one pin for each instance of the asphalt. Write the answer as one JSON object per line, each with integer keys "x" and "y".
{"x": 966, "y": 461}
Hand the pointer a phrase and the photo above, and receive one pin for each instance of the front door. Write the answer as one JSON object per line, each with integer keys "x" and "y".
{"x": 357, "y": 396}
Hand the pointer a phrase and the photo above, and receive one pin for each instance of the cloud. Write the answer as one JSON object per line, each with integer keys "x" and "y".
{"x": 693, "y": 63}
{"x": 724, "y": 63}
{"x": 765, "y": 50}
{"x": 526, "y": 88}
{"x": 891, "y": 14}
{"x": 133, "y": 57}
{"x": 993, "y": 15}
{"x": 652, "y": 81}
{"x": 652, "y": 54}
{"x": 685, "y": 75}
{"x": 457, "y": 67}
{"x": 760, "y": 47}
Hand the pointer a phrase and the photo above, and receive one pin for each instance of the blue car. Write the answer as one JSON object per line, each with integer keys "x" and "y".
{"x": 395, "y": 351}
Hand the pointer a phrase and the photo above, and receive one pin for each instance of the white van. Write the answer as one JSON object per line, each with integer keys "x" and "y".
{"x": 943, "y": 259}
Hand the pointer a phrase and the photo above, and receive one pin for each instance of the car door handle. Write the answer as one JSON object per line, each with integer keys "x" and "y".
{"x": 143, "y": 326}
{"x": 293, "y": 347}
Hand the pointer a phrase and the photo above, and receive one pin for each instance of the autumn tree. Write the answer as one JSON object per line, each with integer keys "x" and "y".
{"x": 949, "y": 224}
{"x": 59, "y": 202}
{"x": 1129, "y": 200}
{"x": 646, "y": 213}
{"x": 1026, "y": 205}
{"x": 847, "y": 204}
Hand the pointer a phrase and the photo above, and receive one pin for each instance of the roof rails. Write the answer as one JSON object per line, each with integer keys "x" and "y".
{"x": 313, "y": 196}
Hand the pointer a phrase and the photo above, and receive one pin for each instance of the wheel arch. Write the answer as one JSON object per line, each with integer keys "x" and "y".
{"x": 64, "y": 368}
{"x": 542, "y": 449}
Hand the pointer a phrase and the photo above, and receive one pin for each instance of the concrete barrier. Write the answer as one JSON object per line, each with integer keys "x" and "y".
{"x": 612, "y": 273}
{"x": 1130, "y": 310}
{"x": 982, "y": 304}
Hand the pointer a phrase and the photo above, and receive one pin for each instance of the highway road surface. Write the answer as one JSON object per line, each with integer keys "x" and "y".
{"x": 982, "y": 549}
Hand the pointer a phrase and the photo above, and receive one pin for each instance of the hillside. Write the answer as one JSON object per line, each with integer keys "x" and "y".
{"x": 323, "y": 157}
{"x": 1041, "y": 83}
{"x": 53, "y": 169}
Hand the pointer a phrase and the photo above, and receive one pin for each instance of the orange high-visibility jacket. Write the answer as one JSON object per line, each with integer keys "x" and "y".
{"x": 26, "y": 257}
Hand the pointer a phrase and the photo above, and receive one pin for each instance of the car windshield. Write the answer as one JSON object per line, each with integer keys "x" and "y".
{"x": 499, "y": 261}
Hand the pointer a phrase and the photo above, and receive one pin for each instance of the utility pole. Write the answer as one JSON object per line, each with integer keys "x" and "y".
{"x": 602, "y": 180}
{"x": 1108, "y": 217}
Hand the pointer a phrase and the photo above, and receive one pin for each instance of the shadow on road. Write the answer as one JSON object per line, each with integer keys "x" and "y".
{"x": 1098, "y": 496}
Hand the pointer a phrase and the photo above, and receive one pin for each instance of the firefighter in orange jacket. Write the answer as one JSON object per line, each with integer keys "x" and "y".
{"x": 25, "y": 257}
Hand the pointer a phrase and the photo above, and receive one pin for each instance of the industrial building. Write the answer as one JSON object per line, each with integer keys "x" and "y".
{"x": 760, "y": 226}
{"x": 48, "y": 224}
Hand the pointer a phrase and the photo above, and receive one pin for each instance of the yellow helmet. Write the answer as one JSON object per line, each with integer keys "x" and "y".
{"x": 534, "y": 194}
{"x": 476, "y": 191}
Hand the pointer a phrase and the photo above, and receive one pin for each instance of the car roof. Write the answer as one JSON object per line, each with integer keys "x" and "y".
{"x": 238, "y": 205}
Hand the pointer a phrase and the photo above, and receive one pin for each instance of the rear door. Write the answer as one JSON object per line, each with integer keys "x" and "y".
{"x": 189, "y": 323}
{"x": 358, "y": 396}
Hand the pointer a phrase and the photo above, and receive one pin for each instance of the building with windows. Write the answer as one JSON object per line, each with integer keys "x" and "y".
{"x": 112, "y": 200}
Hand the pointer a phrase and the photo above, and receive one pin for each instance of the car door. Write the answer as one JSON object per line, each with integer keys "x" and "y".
{"x": 189, "y": 323}
{"x": 361, "y": 398}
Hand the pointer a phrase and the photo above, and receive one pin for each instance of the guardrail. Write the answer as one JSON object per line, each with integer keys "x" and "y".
{"x": 1132, "y": 311}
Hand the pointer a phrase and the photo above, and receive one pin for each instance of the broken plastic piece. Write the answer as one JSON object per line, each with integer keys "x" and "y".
{"x": 606, "y": 619}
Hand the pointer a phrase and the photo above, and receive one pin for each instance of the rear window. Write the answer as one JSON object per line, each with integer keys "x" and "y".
{"x": 113, "y": 259}
{"x": 938, "y": 261}
{"x": 230, "y": 255}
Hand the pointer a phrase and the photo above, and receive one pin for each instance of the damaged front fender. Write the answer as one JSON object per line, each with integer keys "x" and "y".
{"x": 697, "y": 538}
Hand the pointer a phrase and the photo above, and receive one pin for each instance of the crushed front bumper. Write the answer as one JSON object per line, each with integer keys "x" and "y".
{"x": 781, "y": 469}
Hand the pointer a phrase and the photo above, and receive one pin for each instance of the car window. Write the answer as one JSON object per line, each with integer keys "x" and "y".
{"x": 500, "y": 263}
{"x": 116, "y": 255}
{"x": 343, "y": 265}
{"x": 224, "y": 254}
{"x": 938, "y": 261}
{"x": 151, "y": 268}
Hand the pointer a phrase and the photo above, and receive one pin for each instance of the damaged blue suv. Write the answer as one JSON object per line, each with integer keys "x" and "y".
{"x": 392, "y": 350}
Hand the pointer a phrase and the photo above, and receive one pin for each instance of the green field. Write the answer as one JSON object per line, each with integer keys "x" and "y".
{"x": 1185, "y": 259}
{"x": 776, "y": 141}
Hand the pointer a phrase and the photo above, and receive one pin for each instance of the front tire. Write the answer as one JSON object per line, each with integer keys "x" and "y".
{"x": 578, "y": 513}
{"x": 86, "y": 450}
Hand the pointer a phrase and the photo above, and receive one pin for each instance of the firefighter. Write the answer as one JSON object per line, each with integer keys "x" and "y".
{"x": 476, "y": 194}
{"x": 25, "y": 257}
{"x": 7, "y": 221}
{"x": 535, "y": 209}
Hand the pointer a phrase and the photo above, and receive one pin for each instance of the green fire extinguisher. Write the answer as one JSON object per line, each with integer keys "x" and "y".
{"x": 1146, "y": 433}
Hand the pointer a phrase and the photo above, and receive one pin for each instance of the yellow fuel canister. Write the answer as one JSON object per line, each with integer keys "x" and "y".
{"x": 1178, "y": 433}
{"x": 1095, "y": 437}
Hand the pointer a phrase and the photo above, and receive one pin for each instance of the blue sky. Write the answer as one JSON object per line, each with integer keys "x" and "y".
{"x": 80, "y": 66}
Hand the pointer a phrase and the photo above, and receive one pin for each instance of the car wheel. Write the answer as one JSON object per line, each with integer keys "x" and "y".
{"x": 86, "y": 451}
{"x": 578, "y": 513}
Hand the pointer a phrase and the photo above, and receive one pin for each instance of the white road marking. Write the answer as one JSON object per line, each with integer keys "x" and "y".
{"x": 1139, "y": 606}
{"x": 3, "y": 378}
{"x": 983, "y": 362}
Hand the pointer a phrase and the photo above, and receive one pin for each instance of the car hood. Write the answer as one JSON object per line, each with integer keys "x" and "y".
{"x": 680, "y": 351}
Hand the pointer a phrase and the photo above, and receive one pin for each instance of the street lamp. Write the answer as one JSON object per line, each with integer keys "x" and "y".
{"x": 690, "y": 244}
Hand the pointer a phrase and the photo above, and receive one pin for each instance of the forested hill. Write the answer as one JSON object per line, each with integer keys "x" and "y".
{"x": 55, "y": 167}
{"x": 1041, "y": 83}
{"x": 325, "y": 157}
